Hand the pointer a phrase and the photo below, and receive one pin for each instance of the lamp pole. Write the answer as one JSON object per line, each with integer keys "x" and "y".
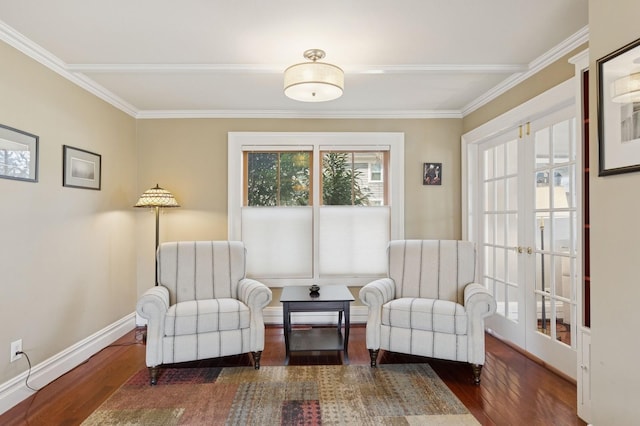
{"x": 544, "y": 302}
{"x": 157, "y": 198}
{"x": 155, "y": 253}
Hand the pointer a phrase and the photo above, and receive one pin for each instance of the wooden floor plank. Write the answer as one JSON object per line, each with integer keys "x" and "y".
{"x": 514, "y": 388}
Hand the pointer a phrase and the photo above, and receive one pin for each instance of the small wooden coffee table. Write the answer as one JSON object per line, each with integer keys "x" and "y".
{"x": 331, "y": 298}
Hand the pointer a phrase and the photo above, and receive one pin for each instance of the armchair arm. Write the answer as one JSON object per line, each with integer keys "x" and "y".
{"x": 479, "y": 304}
{"x": 153, "y": 306}
{"x": 378, "y": 292}
{"x": 374, "y": 295}
{"x": 479, "y": 301}
{"x": 256, "y": 296}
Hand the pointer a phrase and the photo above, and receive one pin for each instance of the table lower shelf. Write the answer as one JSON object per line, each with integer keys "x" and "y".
{"x": 316, "y": 339}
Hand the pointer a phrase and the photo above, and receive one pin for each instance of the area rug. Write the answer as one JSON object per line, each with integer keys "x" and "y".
{"x": 391, "y": 394}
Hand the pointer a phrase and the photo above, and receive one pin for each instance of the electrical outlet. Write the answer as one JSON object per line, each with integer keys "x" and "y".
{"x": 16, "y": 347}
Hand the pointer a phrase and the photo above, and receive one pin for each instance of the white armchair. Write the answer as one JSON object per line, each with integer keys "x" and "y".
{"x": 203, "y": 306}
{"x": 429, "y": 304}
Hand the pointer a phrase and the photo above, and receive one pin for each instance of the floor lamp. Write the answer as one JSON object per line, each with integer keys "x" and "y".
{"x": 543, "y": 193}
{"x": 157, "y": 198}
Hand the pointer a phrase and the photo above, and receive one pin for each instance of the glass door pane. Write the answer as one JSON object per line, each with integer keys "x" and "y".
{"x": 555, "y": 229}
{"x": 499, "y": 186}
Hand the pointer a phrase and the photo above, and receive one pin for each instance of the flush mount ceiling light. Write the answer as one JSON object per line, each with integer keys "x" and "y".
{"x": 626, "y": 89}
{"x": 313, "y": 81}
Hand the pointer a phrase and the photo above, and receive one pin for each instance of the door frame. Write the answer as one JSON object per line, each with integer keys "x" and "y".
{"x": 558, "y": 97}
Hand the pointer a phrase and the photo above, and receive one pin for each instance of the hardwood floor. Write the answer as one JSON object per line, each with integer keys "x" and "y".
{"x": 514, "y": 390}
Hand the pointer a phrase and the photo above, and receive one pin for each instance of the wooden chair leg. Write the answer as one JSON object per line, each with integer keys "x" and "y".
{"x": 153, "y": 375}
{"x": 256, "y": 359}
{"x": 373, "y": 354}
{"x": 477, "y": 370}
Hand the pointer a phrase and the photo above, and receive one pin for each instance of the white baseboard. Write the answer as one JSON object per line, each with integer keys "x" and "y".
{"x": 14, "y": 391}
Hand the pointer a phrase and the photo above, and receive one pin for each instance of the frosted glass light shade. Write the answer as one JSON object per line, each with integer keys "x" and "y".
{"x": 626, "y": 89}
{"x": 313, "y": 82}
{"x": 157, "y": 197}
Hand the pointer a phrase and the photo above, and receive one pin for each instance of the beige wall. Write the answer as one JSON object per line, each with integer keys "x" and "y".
{"x": 615, "y": 270}
{"x": 189, "y": 157}
{"x": 67, "y": 256}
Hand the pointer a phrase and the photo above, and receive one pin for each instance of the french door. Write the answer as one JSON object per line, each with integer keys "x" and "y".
{"x": 501, "y": 233}
{"x": 527, "y": 234}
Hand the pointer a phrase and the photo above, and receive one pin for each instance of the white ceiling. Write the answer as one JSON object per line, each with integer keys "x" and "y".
{"x": 208, "y": 58}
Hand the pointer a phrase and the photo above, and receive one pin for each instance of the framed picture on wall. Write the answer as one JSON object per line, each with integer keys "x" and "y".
{"x": 432, "y": 174}
{"x": 18, "y": 154}
{"x": 80, "y": 168}
{"x": 618, "y": 76}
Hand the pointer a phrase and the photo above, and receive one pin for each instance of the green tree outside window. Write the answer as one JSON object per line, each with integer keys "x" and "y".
{"x": 283, "y": 179}
{"x": 341, "y": 182}
{"x": 278, "y": 179}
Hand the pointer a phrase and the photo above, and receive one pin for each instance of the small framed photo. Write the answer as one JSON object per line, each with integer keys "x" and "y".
{"x": 618, "y": 76}
{"x": 18, "y": 154}
{"x": 432, "y": 174}
{"x": 80, "y": 168}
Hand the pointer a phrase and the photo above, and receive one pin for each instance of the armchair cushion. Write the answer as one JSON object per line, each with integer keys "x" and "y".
{"x": 441, "y": 316}
{"x": 203, "y": 316}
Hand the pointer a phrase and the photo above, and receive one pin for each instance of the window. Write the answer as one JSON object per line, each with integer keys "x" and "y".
{"x": 376, "y": 170}
{"x": 346, "y": 179}
{"x": 307, "y": 208}
{"x": 277, "y": 178}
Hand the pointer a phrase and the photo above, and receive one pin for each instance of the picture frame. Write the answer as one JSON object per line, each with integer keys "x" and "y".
{"x": 81, "y": 169}
{"x": 618, "y": 78}
{"x": 19, "y": 153}
{"x": 432, "y": 174}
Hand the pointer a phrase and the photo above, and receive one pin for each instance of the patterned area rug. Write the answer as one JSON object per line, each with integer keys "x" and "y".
{"x": 392, "y": 394}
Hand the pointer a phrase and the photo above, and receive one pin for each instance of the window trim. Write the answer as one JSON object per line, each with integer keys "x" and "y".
{"x": 238, "y": 142}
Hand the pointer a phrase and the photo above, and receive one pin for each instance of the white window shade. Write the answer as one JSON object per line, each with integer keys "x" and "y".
{"x": 278, "y": 241}
{"x": 353, "y": 240}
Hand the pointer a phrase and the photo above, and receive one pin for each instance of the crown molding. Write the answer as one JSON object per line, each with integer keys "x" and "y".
{"x": 277, "y": 69}
{"x": 436, "y": 68}
{"x": 44, "y": 57}
{"x": 177, "y": 68}
{"x": 164, "y": 114}
{"x": 560, "y": 50}
{"x": 75, "y": 74}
